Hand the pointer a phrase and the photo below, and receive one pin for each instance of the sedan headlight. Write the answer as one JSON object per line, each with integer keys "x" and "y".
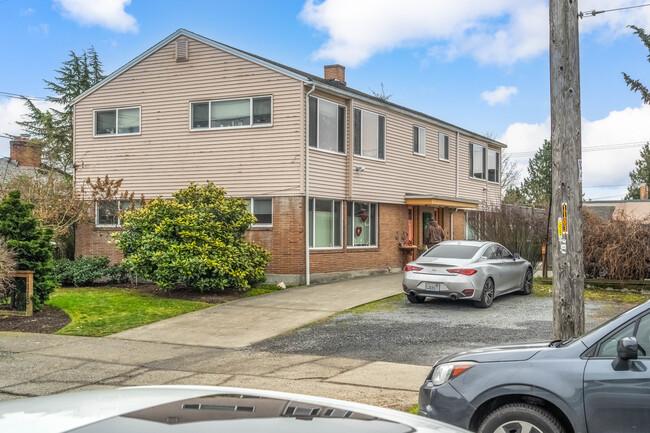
{"x": 444, "y": 372}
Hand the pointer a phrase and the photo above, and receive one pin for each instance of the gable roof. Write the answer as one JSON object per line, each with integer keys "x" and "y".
{"x": 305, "y": 77}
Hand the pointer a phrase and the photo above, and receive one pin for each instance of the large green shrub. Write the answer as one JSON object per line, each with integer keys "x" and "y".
{"x": 84, "y": 271}
{"x": 32, "y": 245}
{"x": 7, "y": 265}
{"x": 196, "y": 239}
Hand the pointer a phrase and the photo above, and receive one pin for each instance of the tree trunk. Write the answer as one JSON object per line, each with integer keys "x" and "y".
{"x": 568, "y": 271}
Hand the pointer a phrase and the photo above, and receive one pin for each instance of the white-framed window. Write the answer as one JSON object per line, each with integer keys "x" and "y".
{"x": 492, "y": 166}
{"x": 477, "y": 156}
{"x": 231, "y": 113}
{"x": 116, "y": 121}
{"x": 369, "y": 134}
{"x": 262, "y": 209}
{"x": 362, "y": 224}
{"x": 325, "y": 223}
{"x": 443, "y": 146}
{"x": 108, "y": 212}
{"x": 419, "y": 140}
{"x": 326, "y": 125}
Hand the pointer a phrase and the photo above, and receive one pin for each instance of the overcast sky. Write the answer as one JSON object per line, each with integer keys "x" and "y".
{"x": 482, "y": 65}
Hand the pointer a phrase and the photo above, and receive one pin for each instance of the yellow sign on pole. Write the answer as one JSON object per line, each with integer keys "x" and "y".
{"x": 564, "y": 225}
{"x": 559, "y": 228}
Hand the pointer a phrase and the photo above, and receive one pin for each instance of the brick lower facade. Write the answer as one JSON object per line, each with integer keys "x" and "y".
{"x": 286, "y": 242}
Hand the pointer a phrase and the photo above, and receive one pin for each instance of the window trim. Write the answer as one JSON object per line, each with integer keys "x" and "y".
{"x": 448, "y": 159}
{"x": 117, "y": 134}
{"x": 421, "y": 146}
{"x": 119, "y": 212}
{"x": 361, "y": 135}
{"x": 312, "y": 225}
{"x": 252, "y": 206}
{"x": 210, "y": 101}
{"x": 356, "y": 247}
{"x": 345, "y": 126}
{"x": 471, "y": 159}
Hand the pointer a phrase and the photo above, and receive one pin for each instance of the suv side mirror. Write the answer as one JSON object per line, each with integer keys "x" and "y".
{"x": 627, "y": 349}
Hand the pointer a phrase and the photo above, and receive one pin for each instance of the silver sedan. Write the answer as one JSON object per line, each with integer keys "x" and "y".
{"x": 467, "y": 270}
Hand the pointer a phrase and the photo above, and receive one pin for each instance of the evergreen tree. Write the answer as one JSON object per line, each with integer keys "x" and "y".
{"x": 536, "y": 188}
{"x": 31, "y": 244}
{"x": 640, "y": 175}
{"x": 52, "y": 128}
{"x": 636, "y": 85}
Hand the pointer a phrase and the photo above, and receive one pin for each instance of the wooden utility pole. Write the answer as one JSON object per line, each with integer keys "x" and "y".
{"x": 568, "y": 270}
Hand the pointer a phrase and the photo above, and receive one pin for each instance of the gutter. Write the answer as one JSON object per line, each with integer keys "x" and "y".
{"x": 307, "y": 225}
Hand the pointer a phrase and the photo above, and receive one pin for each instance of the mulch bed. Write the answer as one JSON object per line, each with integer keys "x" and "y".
{"x": 49, "y": 319}
{"x": 46, "y": 321}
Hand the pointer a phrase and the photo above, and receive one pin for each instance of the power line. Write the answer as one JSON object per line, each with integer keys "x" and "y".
{"x": 593, "y": 13}
{"x": 598, "y": 148}
{"x": 17, "y": 96}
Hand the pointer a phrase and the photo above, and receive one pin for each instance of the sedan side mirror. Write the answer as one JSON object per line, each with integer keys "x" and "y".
{"x": 516, "y": 256}
{"x": 627, "y": 349}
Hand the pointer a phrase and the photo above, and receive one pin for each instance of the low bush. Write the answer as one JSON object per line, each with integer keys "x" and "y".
{"x": 85, "y": 271}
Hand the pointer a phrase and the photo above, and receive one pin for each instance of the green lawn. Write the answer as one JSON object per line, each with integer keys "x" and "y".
{"x": 97, "y": 312}
{"x": 546, "y": 289}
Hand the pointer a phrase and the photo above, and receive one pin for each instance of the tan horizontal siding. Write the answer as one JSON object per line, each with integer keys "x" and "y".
{"x": 167, "y": 155}
{"x": 327, "y": 175}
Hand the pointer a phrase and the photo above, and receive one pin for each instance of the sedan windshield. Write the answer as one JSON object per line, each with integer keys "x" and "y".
{"x": 452, "y": 251}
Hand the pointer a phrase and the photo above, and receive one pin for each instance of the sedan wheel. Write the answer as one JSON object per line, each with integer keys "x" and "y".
{"x": 413, "y": 299}
{"x": 520, "y": 418}
{"x": 527, "y": 288}
{"x": 488, "y": 295}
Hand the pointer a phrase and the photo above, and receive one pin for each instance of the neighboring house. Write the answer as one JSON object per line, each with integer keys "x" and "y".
{"x": 337, "y": 179}
{"x": 24, "y": 159}
{"x": 622, "y": 209}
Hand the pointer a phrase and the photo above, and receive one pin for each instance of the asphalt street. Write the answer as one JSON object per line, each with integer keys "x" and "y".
{"x": 397, "y": 331}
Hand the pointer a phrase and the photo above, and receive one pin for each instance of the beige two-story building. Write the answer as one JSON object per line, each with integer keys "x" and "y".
{"x": 341, "y": 182}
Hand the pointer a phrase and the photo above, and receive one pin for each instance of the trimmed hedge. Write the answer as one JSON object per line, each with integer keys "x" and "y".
{"x": 85, "y": 271}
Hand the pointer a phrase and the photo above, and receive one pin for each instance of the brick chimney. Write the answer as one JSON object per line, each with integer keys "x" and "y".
{"x": 643, "y": 190}
{"x": 335, "y": 73}
{"x": 25, "y": 153}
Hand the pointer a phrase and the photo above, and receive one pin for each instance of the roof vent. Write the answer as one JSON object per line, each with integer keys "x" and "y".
{"x": 182, "y": 51}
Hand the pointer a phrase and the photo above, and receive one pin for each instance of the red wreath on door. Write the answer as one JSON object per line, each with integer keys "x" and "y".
{"x": 357, "y": 231}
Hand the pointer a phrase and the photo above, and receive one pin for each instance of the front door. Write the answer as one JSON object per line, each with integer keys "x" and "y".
{"x": 427, "y": 215}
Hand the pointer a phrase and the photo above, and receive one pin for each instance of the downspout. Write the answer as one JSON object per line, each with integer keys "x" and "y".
{"x": 457, "y": 164}
{"x": 307, "y": 225}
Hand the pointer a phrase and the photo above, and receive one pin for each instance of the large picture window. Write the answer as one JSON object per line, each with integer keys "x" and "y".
{"x": 443, "y": 146}
{"x": 362, "y": 224}
{"x": 326, "y": 125}
{"x": 419, "y": 140}
{"x": 262, "y": 209}
{"x": 492, "y": 166}
{"x": 232, "y": 113}
{"x": 117, "y": 121}
{"x": 476, "y": 161}
{"x": 369, "y": 134}
{"x": 325, "y": 222}
{"x": 108, "y": 212}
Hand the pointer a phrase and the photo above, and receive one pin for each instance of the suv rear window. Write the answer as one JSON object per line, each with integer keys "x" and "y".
{"x": 452, "y": 251}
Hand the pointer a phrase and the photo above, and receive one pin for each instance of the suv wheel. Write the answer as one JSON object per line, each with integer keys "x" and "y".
{"x": 520, "y": 418}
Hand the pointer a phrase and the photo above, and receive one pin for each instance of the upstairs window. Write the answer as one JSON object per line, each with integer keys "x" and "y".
{"x": 369, "y": 134}
{"x": 492, "y": 166}
{"x": 326, "y": 125}
{"x": 262, "y": 209}
{"x": 117, "y": 121}
{"x": 419, "y": 140}
{"x": 232, "y": 113}
{"x": 443, "y": 146}
{"x": 477, "y": 161}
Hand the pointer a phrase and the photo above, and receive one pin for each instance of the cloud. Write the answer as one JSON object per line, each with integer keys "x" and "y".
{"x": 500, "y": 32}
{"x": 12, "y": 110}
{"x": 43, "y": 29}
{"x": 605, "y": 171}
{"x": 25, "y": 12}
{"x": 105, "y": 13}
{"x": 500, "y": 95}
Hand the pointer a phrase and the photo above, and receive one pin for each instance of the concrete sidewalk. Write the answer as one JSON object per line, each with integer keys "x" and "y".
{"x": 249, "y": 320}
{"x": 207, "y": 348}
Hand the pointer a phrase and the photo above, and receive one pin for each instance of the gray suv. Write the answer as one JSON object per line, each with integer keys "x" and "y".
{"x": 597, "y": 383}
